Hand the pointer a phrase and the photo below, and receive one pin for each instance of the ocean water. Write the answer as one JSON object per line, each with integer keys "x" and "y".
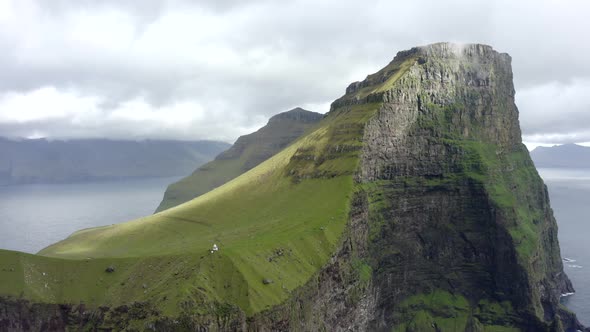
{"x": 35, "y": 216}
{"x": 569, "y": 191}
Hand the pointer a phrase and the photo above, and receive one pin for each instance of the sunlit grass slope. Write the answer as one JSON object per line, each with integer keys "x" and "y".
{"x": 275, "y": 225}
{"x": 280, "y": 221}
{"x": 247, "y": 152}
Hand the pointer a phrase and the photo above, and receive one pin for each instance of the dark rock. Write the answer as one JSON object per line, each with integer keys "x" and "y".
{"x": 444, "y": 140}
{"x": 110, "y": 269}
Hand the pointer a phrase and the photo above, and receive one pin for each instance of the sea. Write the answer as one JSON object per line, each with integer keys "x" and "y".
{"x": 35, "y": 216}
{"x": 569, "y": 192}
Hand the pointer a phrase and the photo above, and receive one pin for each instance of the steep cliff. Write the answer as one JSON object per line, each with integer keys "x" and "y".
{"x": 246, "y": 153}
{"x": 413, "y": 206}
{"x": 451, "y": 227}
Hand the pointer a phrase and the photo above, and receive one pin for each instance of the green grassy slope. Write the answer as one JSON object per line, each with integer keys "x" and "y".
{"x": 280, "y": 221}
{"x": 276, "y": 226}
{"x": 248, "y": 152}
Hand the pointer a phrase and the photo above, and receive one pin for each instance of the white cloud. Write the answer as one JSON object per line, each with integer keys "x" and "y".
{"x": 45, "y": 103}
{"x": 556, "y": 112}
{"x": 48, "y": 112}
{"x": 184, "y": 69}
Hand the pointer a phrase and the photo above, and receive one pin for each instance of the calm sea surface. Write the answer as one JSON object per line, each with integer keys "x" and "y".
{"x": 35, "y": 216}
{"x": 569, "y": 191}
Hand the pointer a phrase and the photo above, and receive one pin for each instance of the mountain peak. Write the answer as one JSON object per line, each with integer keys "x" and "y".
{"x": 446, "y": 49}
{"x": 450, "y": 50}
{"x": 247, "y": 152}
{"x": 297, "y": 114}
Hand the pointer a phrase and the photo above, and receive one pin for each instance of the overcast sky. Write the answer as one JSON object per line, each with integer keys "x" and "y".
{"x": 217, "y": 69}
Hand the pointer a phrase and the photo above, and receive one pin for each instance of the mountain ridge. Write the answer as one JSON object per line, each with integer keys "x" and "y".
{"x": 63, "y": 161}
{"x": 246, "y": 153}
{"x": 412, "y": 206}
{"x": 562, "y": 156}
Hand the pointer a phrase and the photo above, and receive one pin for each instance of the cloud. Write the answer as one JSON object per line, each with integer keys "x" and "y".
{"x": 556, "y": 112}
{"x": 128, "y": 68}
{"x": 47, "y": 112}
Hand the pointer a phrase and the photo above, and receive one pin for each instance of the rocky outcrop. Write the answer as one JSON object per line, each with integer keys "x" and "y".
{"x": 455, "y": 223}
{"x": 453, "y": 219}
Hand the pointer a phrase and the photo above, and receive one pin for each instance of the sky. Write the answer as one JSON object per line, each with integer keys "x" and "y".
{"x": 217, "y": 69}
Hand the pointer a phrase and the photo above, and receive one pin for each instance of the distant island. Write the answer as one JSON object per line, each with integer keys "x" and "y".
{"x": 79, "y": 160}
{"x": 562, "y": 156}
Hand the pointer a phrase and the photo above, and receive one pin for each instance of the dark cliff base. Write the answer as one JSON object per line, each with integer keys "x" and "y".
{"x": 22, "y": 315}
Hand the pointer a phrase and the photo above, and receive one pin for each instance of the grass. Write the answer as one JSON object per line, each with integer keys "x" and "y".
{"x": 249, "y": 220}
{"x": 447, "y": 311}
{"x": 279, "y": 222}
{"x": 207, "y": 177}
{"x": 385, "y": 78}
{"x": 451, "y": 312}
{"x": 248, "y": 152}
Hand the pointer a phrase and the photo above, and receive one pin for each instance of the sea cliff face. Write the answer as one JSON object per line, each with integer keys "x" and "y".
{"x": 461, "y": 226}
{"x": 451, "y": 227}
{"x": 448, "y": 228}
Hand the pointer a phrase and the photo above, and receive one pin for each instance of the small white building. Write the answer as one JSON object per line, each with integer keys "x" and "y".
{"x": 215, "y": 248}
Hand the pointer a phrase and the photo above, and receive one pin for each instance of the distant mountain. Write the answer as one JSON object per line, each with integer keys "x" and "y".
{"x": 248, "y": 151}
{"x": 563, "y": 156}
{"x": 44, "y": 161}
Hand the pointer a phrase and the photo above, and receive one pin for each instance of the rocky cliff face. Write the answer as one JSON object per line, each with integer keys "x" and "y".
{"x": 449, "y": 225}
{"x": 452, "y": 223}
{"x": 247, "y": 152}
{"x": 462, "y": 209}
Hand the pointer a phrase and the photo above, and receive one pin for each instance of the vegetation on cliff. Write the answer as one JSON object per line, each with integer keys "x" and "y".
{"x": 412, "y": 206}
